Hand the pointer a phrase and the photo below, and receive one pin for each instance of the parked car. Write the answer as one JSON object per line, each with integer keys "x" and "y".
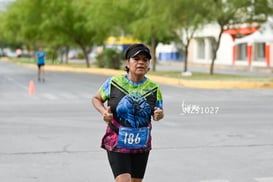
{"x": 2, "y": 54}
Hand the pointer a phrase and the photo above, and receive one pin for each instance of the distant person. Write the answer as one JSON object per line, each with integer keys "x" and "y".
{"x": 132, "y": 101}
{"x": 40, "y": 60}
{"x": 18, "y": 52}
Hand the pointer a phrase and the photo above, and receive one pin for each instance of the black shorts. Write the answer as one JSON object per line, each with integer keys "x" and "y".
{"x": 39, "y": 65}
{"x": 134, "y": 164}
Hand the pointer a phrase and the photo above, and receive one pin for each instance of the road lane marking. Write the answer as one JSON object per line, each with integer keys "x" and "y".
{"x": 268, "y": 179}
{"x": 49, "y": 96}
{"x": 16, "y": 82}
{"x": 68, "y": 96}
{"x": 216, "y": 180}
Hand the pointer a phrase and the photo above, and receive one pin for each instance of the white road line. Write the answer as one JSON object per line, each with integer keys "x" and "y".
{"x": 86, "y": 95}
{"x": 68, "y": 95}
{"x": 268, "y": 179}
{"x": 216, "y": 180}
{"x": 49, "y": 96}
{"x": 16, "y": 82}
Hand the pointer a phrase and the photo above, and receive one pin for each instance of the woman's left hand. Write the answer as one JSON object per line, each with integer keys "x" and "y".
{"x": 158, "y": 114}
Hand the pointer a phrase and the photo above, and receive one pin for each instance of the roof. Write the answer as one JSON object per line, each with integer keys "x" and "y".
{"x": 242, "y": 31}
{"x": 263, "y": 35}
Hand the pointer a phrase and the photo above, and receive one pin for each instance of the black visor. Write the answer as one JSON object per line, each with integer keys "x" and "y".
{"x": 137, "y": 50}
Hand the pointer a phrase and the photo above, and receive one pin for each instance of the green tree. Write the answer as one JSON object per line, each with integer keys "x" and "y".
{"x": 11, "y": 23}
{"x": 66, "y": 23}
{"x": 185, "y": 21}
{"x": 54, "y": 23}
{"x": 23, "y": 25}
{"x": 150, "y": 24}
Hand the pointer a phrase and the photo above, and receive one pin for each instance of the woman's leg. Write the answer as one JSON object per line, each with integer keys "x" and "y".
{"x": 126, "y": 177}
{"x": 128, "y": 167}
{"x": 121, "y": 166}
{"x": 39, "y": 72}
{"x": 42, "y": 72}
{"x": 136, "y": 180}
{"x": 139, "y": 164}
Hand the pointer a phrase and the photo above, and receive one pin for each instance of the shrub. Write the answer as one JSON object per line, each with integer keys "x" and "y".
{"x": 109, "y": 58}
{"x": 51, "y": 54}
{"x": 81, "y": 55}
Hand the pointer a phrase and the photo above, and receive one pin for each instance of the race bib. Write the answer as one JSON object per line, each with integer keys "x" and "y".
{"x": 133, "y": 138}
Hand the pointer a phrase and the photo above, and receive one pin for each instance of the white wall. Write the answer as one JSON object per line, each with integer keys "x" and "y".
{"x": 209, "y": 34}
{"x": 225, "y": 51}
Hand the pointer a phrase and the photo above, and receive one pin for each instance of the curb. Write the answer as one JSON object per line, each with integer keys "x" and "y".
{"x": 204, "y": 84}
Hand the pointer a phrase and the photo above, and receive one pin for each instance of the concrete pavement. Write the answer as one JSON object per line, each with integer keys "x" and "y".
{"x": 54, "y": 135}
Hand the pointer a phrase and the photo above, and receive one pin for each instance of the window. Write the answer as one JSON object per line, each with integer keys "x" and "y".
{"x": 241, "y": 51}
{"x": 200, "y": 49}
{"x": 259, "y": 52}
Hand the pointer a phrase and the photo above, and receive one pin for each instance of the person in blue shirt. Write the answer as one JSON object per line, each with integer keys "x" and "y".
{"x": 40, "y": 60}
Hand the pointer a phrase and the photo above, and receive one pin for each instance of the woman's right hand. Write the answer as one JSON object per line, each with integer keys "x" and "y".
{"x": 107, "y": 115}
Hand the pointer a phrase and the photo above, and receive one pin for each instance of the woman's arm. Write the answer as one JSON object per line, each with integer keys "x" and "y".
{"x": 106, "y": 113}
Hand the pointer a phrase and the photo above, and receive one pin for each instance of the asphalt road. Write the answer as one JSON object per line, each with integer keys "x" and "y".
{"x": 206, "y": 136}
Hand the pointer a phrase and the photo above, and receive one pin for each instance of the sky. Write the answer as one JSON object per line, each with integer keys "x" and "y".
{"x": 3, "y": 3}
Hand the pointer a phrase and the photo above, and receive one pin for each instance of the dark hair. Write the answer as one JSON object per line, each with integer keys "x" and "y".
{"x": 133, "y": 49}
{"x": 126, "y": 69}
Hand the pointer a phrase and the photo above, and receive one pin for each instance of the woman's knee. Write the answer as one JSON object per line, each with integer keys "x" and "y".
{"x": 136, "y": 180}
{"x": 126, "y": 177}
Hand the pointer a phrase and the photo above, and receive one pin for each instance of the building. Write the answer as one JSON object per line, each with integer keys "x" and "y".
{"x": 254, "y": 47}
{"x": 257, "y": 48}
{"x": 167, "y": 52}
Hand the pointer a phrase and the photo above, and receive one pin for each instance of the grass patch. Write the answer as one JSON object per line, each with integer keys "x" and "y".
{"x": 48, "y": 62}
{"x": 23, "y": 60}
{"x": 207, "y": 76}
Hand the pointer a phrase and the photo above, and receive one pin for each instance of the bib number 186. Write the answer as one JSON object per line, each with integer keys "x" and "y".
{"x": 133, "y": 138}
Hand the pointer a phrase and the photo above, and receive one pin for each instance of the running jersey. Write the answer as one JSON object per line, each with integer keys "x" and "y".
{"x": 132, "y": 105}
{"x": 40, "y": 57}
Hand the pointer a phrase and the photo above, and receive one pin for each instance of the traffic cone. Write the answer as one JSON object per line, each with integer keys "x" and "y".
{"x": 31, "y": 89}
